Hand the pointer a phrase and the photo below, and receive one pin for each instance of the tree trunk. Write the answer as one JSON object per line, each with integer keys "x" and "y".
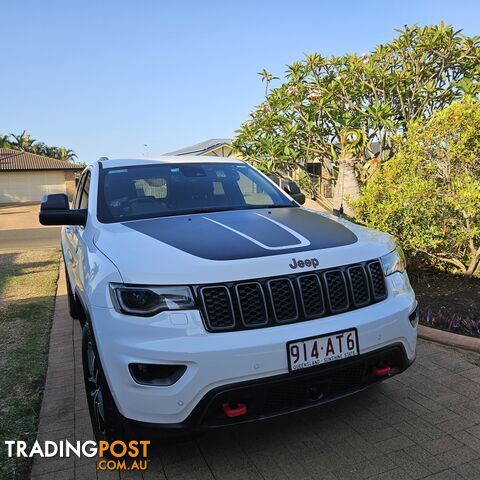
{"x": 474, "y": 264}
{"x": 347, "y": 186}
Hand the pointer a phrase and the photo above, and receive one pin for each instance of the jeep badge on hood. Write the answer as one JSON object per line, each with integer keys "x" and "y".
{"x": 308, "y": 262}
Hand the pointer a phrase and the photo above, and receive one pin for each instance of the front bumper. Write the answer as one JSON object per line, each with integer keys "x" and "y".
{"x": 274, "y": 396}
{"x": 221, "y": 360}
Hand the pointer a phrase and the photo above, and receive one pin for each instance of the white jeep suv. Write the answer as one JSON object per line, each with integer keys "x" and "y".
{"x": 208, "y": 296}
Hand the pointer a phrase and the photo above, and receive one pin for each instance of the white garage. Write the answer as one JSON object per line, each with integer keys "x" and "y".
{"x": 26, "y": 177}
{"x": 30, "y": 187}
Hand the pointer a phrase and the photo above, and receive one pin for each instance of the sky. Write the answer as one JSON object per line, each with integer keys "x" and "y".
{"x": 105, "y": 78}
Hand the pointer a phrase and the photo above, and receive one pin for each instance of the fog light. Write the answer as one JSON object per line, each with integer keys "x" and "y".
{"x": 414, "y": 317}
{"x": 158, "y": 375}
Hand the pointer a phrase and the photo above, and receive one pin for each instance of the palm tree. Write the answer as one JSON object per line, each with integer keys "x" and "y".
{"x": 23, "y": 142}
{"x": 66, "y": 154}
{"x": 5, "y": 142}
{"x": 39, "y": 148}
{"x": 26, "y": 143}
{"x": 267, "y": 78}
{"x": 51, "y": 152}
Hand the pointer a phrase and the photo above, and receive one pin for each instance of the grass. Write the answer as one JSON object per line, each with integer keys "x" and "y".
{"x": 28, "y": 281}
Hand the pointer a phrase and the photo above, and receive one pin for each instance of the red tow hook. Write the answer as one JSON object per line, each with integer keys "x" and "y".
{"x": 382, "y": 370}
{"x": 239, "y": 410}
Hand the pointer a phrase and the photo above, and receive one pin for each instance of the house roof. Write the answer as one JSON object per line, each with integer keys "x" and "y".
{"x": 15, "y": 160}
{"x": 202, "y": 147}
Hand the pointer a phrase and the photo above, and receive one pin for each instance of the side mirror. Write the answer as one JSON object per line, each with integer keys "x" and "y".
{"x": 54, "y": 210}
{"x": 294, "y": 191}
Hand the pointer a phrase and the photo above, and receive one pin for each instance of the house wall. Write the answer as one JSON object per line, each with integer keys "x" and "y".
{"x": 223, "y": 151}
{"x": 70, "y": 184}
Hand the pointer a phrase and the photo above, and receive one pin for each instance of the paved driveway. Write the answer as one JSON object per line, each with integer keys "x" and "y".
{"x": 19, "y": 216}
{"x": 30, "y": 238}
{"x": 422, "y": 424}
{"x": 20, "y": 229}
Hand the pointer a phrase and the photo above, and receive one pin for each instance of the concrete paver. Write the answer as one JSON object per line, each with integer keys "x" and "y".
{"x": 424, "y": 423}
{"x": 19, "y": 216}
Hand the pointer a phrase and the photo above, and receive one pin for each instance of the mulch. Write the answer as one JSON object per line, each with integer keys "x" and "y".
{"x": 448, "y": 301}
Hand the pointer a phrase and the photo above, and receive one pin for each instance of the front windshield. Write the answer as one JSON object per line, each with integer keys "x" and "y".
{"x": 166, "y": 189}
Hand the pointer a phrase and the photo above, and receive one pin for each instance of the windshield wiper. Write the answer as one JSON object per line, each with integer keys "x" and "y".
{"x": 273, "y": 206}
{"x": 242, "y": 207}
{"x": 194, "y": 211}
{"x": 210, "y": 210}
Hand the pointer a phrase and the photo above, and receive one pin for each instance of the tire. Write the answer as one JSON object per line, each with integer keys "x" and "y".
{"x": 107, "y": 423}
{"x": 72, "y": 303}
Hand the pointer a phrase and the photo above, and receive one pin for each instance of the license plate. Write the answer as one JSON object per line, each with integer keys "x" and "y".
{"x": 313, "y": 351}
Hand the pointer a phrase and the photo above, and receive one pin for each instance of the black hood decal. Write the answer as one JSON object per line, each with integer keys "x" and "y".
{"x": 241, "y": 234}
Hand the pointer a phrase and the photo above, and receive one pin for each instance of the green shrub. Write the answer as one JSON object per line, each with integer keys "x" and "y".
{"x": 428, "y": 195}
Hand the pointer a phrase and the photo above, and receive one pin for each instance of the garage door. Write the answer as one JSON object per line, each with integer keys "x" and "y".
{"x": 29, "y": 186}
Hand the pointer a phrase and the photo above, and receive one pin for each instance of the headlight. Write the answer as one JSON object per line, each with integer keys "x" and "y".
{"x": 394, "y": 262}
{"x": 148, "y": 301}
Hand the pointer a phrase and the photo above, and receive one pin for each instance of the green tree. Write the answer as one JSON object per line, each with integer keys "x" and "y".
{"x": 428, "y": 195}
{"x": 26, "y": 143}
{"x": 267, "y": 78}
{"x": 23, "y": 142}
{"x": 5, "y": 141}
{"x": 327, "y": 102}
{"x": 66, "y": 154}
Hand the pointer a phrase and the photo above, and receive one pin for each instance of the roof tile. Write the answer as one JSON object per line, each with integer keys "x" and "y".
{"x": 16, "y": 160}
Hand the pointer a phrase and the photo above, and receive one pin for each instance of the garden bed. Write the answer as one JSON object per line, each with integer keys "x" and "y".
{"x": 448, "y": 302}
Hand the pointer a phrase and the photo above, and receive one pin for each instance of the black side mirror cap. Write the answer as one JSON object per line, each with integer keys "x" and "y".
{"x": 54, "y": 201}
{"x": 55, "y": 210}
{"x": 294, "y": 191}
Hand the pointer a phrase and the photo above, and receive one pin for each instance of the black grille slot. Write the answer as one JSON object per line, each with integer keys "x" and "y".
{"x": 283, "y": 300}
{"x": 252, "y": 304}
{"x": 358, "y": 285}
{"x": 336, "y": 291}
{"x": 312, "y": 296}
{"x": 218, "y": 307}
{"x": 377, "y": 280}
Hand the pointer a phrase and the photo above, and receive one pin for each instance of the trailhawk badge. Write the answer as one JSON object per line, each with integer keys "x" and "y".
{"x": 308, "y": 262}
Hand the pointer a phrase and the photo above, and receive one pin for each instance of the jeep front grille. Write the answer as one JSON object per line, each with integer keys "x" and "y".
{"x": 218, "y": 307}
{"x": 292, "y": 298}
{"x": 283, "y": 300}
{"x": 357, "y": 279}
{"x": 336, "y": 291}
{"x": 251, "y": 303}
{"x": 311, "y": 295}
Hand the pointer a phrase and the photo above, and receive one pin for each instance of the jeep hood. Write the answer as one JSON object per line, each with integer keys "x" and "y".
{"x": 234, "y": 245}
